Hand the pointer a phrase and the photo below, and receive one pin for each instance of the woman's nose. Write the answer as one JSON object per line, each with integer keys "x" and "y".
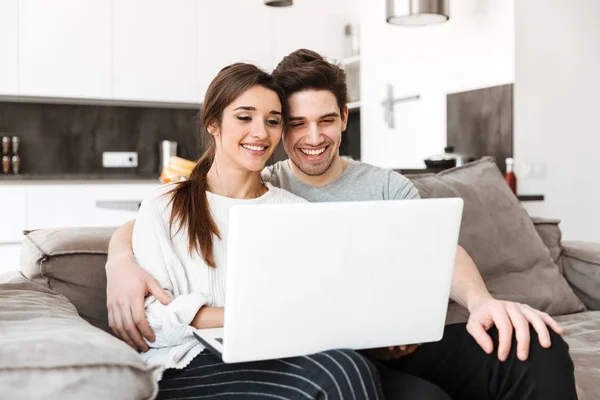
{"x": 259, "y": 131}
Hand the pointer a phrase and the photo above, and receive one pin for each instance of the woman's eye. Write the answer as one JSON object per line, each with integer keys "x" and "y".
{"x": 273, "y": 122}
{"x": 244, "y": 118}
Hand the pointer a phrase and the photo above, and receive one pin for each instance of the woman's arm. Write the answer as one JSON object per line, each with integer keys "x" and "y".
{"x": 154, "y": 250}
{"x": 209, "y": 317}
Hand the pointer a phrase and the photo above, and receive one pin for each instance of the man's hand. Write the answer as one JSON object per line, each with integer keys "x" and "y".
{"x": 127, "y": 286}
{"x": 391, "y": 352}
{"x": 508, "y": 316}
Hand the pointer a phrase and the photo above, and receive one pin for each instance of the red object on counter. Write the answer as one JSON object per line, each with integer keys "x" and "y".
{"x": 510, "y": 177}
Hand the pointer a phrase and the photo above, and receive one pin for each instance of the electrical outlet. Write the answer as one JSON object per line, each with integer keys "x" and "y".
{"x": 119, "y": 159}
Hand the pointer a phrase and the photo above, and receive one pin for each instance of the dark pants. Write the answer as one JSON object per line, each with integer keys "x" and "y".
{"x": 333, "y": 375}
{"x": 459, "y": 366}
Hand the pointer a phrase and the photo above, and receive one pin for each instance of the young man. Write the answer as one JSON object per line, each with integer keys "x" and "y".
{"x": 531, "y": 364}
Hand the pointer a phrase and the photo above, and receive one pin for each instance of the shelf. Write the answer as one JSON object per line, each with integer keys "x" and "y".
{"x": 353, "y": 106}
{"x": 350, "y": 61}
{"x": 530, "y": 197}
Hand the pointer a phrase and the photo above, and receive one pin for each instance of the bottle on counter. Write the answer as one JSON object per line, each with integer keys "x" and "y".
{"x": 5, "y": 164}
{"x": 16, "y": 159}
{"x": 510, "y": 177}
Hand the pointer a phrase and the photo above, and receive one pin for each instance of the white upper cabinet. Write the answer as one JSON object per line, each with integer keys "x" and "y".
{"x": 233, "y": 31}
{"x": 8, "y": 47}
{"x": 311, "y": 24}
{"x": 65, "y": 48}
{"x": 156, "y": 50}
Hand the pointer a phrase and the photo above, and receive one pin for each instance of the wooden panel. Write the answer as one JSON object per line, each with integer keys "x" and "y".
{"x": 480, "y": 123}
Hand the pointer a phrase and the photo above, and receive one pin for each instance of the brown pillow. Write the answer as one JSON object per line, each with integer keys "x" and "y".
{"x": 71, "y": 261}
{"x": 499, "y": 235}
{"x": 551, "y": 235}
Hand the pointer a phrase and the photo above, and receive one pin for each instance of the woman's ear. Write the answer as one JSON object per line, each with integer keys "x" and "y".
{"x": 213, "y": 129}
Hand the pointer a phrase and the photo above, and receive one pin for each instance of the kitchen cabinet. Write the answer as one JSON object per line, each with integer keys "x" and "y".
{"x": 234, "y": 31}
{"x": 73, "y": 205}
{"x": 65, "y": 48}
{"x": 13, "y": 214}
{"x": 321, "y": 31}
{"x": 156, "y": 50}
{"x": 8, "y": 47}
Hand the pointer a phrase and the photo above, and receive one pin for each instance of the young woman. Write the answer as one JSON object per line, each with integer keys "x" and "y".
{"x": 180, "y": 238}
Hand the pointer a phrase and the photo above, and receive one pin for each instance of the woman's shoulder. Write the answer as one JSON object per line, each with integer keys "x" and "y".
{"x": 279, "y": 195}
{"x": 159, "y": 198}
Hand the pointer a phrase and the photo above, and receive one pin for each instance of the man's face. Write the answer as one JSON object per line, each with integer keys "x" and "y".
{"x": 314, "y": 132}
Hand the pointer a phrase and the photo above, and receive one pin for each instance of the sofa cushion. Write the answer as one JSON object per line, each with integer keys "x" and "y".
{"x": 551, "y": 235}
{"x": 582, "y": 333}
{"x": 48, "y": 352}
{"x": 499, "y": 235}
{"x": 71, "y": 261}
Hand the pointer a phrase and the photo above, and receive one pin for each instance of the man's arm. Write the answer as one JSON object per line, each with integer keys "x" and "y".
{"x": 127, "y": 286}
{"x": 468, "y": 290}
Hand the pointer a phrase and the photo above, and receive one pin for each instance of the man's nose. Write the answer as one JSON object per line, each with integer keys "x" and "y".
{"x": 314, "y": 135}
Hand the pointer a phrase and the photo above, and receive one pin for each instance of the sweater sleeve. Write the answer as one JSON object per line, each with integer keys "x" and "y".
{"x": 154, "y": 251}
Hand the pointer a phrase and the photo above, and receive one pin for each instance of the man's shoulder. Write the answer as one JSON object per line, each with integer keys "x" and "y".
{"x": 273, "y": 173}
{"x": 362, "y": 168}
{"x": 393, "y": 184}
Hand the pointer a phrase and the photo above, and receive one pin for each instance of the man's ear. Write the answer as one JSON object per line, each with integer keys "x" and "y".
{"x": 345, "y": 118}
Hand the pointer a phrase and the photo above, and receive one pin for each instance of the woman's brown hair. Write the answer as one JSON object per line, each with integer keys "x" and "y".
{"x": 189, "y": 200}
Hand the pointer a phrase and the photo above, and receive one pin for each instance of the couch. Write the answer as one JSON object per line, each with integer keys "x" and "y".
{"x": 55, "y": 341}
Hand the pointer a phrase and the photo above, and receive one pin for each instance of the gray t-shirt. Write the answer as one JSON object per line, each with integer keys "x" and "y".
{"x": 358, "y": 182}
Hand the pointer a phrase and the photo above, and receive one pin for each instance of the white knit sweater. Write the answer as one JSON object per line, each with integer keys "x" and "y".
{"x": 185, "y": 276}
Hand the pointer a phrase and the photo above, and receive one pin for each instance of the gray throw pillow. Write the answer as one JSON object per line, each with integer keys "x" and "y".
{"x": 499, "y": 235}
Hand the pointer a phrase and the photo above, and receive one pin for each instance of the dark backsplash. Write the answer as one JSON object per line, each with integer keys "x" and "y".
{"x": 70, "y": 139}
{"x": 59, "y": 138}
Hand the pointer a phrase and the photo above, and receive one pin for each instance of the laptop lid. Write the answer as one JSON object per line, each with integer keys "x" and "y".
{"x": 305, "y": 278}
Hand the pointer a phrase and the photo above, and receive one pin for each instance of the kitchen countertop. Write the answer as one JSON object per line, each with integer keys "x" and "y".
{"x": 93, "y": 176}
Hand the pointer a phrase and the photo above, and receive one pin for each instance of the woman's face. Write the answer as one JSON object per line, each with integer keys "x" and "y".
{"x": 250, "y": 129}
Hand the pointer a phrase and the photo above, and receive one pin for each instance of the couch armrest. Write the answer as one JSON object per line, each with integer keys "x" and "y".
{"x": 581, "y": 261}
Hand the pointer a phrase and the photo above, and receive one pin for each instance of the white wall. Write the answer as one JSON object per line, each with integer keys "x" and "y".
{"x": 474, "y": 49}
{"x": 557, "y": 103}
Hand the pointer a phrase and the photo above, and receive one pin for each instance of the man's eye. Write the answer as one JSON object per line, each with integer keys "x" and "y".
{"x": 243, "y": 118}
{"x": 327, "y": 121}
{"x": 296, "y": 125}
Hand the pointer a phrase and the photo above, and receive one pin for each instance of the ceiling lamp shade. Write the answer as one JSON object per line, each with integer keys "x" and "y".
{"x": 279, "y": 3}
{"x": 417, "y": 12}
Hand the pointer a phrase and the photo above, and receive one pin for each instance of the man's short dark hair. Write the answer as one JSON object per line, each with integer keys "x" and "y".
{"x": 308, "y": 70}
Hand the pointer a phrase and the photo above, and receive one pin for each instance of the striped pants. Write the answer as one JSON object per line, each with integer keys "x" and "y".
{"x": 335, "y": 374}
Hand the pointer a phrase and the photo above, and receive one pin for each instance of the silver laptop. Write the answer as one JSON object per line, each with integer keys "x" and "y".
{"x": 306, "y": 278}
